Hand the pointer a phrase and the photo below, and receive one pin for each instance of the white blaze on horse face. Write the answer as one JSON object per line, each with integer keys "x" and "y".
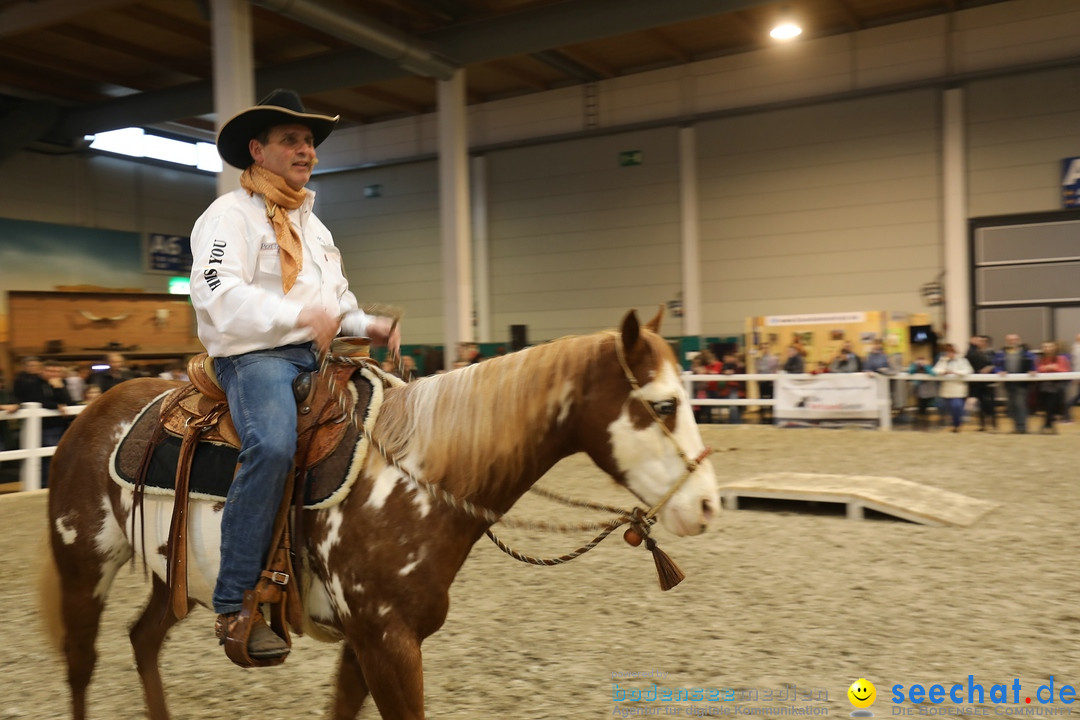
{"x": 651, "y": 463}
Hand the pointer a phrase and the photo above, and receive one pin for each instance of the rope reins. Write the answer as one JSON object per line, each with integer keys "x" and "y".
{"x": 640, "y": 520}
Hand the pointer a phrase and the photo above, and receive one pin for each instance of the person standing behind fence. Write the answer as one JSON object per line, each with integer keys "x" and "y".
{"x": 846, "y": 361}
{"x": 44, "y": 383}
{"x": 733, "y": 389}
{"x": 794, "y": 364}
{"x": 1051, "y": 392}
{"x": 7, "y": 404}
{"x": 954, "y": 390}
{"x": 115, "y": 372}
{"x": 768, "y": 362}
{"x": 1015, "y": 358}
{"x": 925, "y": 392}
{"x": 981, "y": 358}
{"x": 1074, "y": 385}
{"x": 699, "y": 365}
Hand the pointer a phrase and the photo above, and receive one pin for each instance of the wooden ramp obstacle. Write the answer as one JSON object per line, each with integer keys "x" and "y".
{"x": 900, "y": 498}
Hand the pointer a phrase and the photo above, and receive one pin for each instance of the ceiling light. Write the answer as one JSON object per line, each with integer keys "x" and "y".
{"x": 785, "y": 30}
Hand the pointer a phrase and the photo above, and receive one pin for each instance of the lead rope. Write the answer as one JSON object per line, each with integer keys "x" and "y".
{"x": 640, "y": 521}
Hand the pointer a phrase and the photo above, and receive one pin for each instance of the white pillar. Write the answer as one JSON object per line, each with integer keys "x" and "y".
{"x": 234, "y": 71}
{"x": 30, "y": 439}
{"x": 454, "y": 216}
{"x": 955, "y": 230}
{"x": 690, "y": 235}
{"x": 481, "y": 271}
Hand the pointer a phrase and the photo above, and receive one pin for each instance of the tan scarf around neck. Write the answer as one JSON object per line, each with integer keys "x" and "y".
{"x": 279, "y": 198}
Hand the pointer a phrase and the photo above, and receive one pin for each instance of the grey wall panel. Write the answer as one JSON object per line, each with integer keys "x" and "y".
{"x": 1035, "y": 241}
{"x": 1019, "y": 129}
{"x": 390, "y": 244}
{"x": 576, "y": 239}
{"x": 1028, "y": 283}
{"x": 1031, "y": 323}
{"x": 820, "y": 209}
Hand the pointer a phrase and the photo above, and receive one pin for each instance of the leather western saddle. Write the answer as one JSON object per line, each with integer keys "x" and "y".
{"x": 199, "y": 412}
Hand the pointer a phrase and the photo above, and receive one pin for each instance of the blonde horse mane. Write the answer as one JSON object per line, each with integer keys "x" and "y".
{"x": 467, "y": 424}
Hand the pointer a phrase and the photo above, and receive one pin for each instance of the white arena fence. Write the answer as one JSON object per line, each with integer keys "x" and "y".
{"x": 31, "y": 450}
{"x": 885, "y": 399}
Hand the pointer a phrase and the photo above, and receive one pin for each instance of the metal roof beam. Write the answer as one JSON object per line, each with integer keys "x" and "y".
{"x": 526, "y": 32}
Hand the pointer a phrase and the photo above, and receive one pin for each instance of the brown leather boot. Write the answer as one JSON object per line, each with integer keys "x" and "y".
{"x": 263, "y": 643}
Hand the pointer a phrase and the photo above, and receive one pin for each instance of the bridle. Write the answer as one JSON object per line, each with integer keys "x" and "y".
{"x": 691, "y": 465}
{"x": 640, "y": 520}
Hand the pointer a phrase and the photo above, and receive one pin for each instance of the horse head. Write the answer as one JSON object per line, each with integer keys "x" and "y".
{"x": 648, "y": 439}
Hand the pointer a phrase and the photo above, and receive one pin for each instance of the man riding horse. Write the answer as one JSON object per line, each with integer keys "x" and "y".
{"x": 269, "y": 291}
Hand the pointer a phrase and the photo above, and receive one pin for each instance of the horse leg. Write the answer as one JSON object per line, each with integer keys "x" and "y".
{"x": 83, "y": 580}
{"x": 81, "y": 614}
{"x": 147, "y": 635}
{"x": 351, "y": 690}
{"x": 393, "y": 670}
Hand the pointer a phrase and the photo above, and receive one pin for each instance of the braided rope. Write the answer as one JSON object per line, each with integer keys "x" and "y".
{"x": 549, "y": 562}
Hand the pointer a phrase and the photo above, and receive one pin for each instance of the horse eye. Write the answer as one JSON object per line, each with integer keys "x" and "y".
{"x": 666, "y": 407}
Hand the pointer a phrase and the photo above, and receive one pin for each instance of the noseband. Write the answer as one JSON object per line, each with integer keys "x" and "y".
{"x": 691, "y": 465}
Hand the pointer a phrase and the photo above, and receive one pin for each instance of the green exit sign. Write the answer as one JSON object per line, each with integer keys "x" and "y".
{"x": 628, "y": 158}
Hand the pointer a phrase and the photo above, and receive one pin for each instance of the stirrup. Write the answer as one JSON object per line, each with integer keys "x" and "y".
{"x": 234, "y": 631}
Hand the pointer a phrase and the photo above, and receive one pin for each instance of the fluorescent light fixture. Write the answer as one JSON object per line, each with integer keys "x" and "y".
{"x": 180, "y": 285}
{"x": 208, "y": 158}
{"x": 785, "y": 30}
{"x": 135, "y": 142}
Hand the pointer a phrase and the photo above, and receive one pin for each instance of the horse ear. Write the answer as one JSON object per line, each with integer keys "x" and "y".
{"x": 654, "y": 324}
{"x": 631, "y": 331}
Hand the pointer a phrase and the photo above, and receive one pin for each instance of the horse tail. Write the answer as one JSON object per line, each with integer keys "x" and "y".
{"x": 49, "y": 596}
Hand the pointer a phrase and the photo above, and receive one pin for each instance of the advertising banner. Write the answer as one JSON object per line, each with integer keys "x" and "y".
{"x": 827, "y": 399}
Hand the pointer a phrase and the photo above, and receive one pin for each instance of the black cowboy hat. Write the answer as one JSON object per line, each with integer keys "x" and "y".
{"x": 281, "y": 107}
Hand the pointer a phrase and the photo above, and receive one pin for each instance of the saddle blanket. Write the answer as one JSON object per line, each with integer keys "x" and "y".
{"x": 213, "y": 465}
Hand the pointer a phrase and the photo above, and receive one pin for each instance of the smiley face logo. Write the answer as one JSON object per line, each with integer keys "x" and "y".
{"x": 862, "y": 693}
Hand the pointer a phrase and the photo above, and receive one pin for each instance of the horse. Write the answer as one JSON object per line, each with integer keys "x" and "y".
{"x": 378, "y": 565}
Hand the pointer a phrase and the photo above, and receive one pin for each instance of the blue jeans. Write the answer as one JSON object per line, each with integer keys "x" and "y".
{"x": 259, "y": 389}
{"x": 956, "y": 410}
{"x": 1016, "y": 395}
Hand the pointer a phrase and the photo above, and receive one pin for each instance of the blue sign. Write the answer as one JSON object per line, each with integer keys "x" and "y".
{"x": 1070, "y": 182}
{"x": 169, "y": 253}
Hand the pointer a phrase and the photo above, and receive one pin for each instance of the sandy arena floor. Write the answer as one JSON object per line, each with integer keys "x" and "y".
{"x": 772, "y": 599}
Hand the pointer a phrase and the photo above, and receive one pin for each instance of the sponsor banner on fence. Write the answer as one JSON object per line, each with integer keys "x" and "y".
{"x": 830, "y": 398}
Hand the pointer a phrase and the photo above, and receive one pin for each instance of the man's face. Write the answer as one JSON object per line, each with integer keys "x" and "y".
{"x": 289, "y": 152}
{"x": 1012, "y": 340}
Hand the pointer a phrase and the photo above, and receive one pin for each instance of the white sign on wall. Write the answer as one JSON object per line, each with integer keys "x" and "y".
{"x": 815, "y": 319}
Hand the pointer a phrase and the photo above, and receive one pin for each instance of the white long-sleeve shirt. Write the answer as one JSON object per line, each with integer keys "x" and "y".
{"x": 236, "y": 277}
{"x": 959, "y": 367}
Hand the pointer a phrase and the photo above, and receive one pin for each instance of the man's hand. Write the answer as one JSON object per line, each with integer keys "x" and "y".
{"x": 324, "y": 326}
{"x": 384, "y": 331}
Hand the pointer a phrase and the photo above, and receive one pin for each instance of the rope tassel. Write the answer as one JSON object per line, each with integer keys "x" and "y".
{"x": 667, "y": 571}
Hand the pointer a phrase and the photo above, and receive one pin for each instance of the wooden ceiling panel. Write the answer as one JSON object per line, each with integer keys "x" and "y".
{"x": 140, "y": 45}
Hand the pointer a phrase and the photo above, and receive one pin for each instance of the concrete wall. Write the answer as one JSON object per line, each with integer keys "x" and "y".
{"x": 828, "y": 208}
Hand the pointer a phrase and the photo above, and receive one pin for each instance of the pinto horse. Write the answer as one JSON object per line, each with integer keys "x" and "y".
{"x": 379, "y": 564}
